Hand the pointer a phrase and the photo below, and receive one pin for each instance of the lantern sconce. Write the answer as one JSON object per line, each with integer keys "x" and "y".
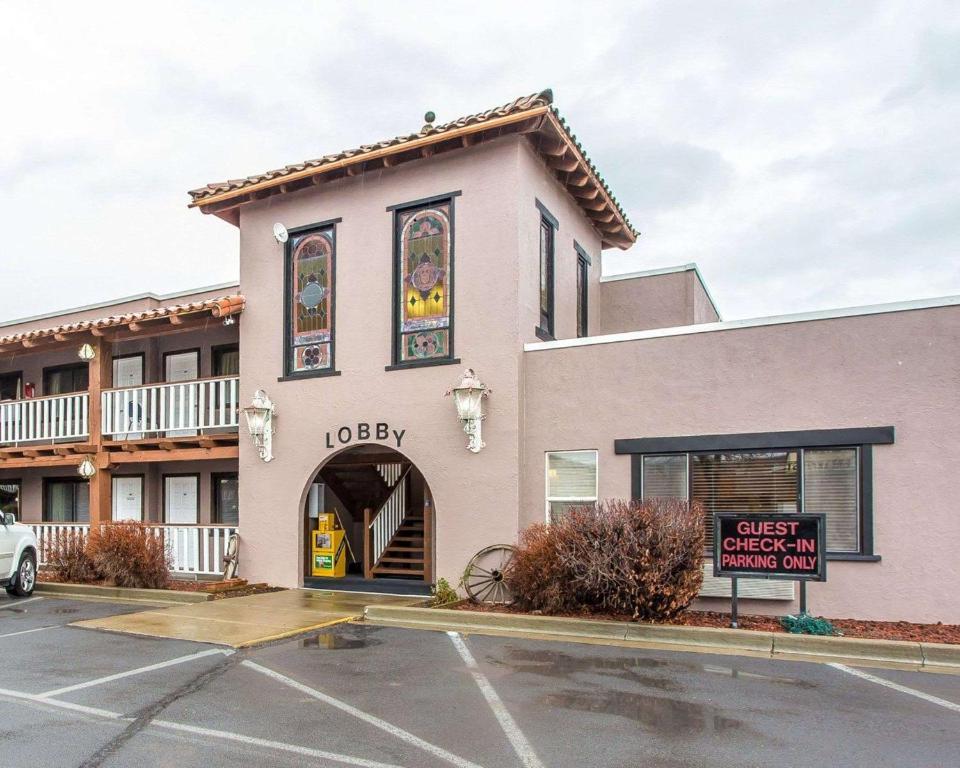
{"x": 86, "y": 353}
{"x": 260, "y": 415}
{"x": 468, "y": 397}
{"x": 86, "y": 469}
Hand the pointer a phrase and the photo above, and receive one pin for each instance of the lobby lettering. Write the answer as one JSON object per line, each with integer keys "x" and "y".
{"x": 381, "y": 432}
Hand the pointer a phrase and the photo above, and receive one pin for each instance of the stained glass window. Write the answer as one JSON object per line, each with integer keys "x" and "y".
{"x": 424, "y": 288}
{"x": 310, "y": 319}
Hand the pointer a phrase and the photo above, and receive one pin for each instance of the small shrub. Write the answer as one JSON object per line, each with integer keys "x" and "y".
{"x": 805, "y": 624}
{"x": 127, "y": 554}
{"x": 639, "y": 558}
{"x": 67, "y": 558}
{"x": 443, "y": 593}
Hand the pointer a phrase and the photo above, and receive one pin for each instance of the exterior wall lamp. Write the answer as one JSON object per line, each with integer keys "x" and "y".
{"x": 468, "y": 397}
{"x": 86, "y": 353}
{"x": 86, "y": 469}
{"x": 260, "y": 415}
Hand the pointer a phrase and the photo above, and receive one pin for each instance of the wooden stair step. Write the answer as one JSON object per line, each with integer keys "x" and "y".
{"x": 410, "y": 560}
{"x": 398, "y": 571}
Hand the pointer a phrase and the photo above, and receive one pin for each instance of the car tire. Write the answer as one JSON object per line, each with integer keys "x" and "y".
{"x": 25, "y": 579}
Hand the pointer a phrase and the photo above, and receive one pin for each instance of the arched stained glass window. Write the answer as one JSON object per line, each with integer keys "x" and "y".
{"x": 425, "y": 283}
{"x": 310, "y": 296}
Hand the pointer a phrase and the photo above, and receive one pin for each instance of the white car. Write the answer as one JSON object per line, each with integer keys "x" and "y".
{"x": 18, "y": 556}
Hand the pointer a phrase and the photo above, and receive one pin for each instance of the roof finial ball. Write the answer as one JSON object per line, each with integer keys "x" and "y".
{"x": 428, "y": 119}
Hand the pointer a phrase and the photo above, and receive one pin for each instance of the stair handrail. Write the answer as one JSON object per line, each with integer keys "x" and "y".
{"x": 384, "y": 523}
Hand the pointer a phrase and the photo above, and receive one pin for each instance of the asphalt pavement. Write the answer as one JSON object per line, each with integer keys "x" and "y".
{"x": 380, "y": 696}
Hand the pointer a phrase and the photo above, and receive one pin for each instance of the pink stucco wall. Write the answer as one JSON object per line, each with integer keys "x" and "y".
{"x": 644, "y": 301}
{"x": 899, "y": 369}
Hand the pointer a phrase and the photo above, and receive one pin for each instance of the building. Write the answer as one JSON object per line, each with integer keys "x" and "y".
{"x": 477, "y": 244}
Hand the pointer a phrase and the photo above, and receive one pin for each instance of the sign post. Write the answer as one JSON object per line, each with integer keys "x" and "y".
{"x": 767, "y": 546}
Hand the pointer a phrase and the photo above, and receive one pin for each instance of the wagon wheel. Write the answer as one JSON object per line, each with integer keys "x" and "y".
{"x": 484, "y": 577}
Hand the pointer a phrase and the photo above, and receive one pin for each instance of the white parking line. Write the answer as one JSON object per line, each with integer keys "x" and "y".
{"x": 518, "y": 741}
{"x": 376, "y": 722}
{"x": 132, "y": 672}
{"x": 18, "y": 603}
{"x": 295, "y": 749}
{"x": 897, "y": 687}
{"x": 28, "y": 631}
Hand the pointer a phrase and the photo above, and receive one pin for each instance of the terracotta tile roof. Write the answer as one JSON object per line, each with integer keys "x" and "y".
{"x": 565, "y": 157}
{"x": 219, "y": 307}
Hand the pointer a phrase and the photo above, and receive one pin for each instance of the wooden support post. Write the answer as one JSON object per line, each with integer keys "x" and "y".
{"x": 101, "y": 497}
{"x": 101, "y": 484}
{"x": 367, "y": 544}
{"x": 427, "y": 535}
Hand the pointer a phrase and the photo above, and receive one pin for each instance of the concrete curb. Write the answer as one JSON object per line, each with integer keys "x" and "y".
{"x": 889, "y": 654}
{"x": 126, "y": 594}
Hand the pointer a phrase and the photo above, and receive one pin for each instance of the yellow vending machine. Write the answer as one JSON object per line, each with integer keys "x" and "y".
{"x": 329, "y": 548}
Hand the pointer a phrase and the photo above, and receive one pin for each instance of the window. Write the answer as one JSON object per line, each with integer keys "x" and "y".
{"x": 11, "y": 386}
{"x": 226, "y": 360}
{"x": 423, "y": 283}
{"x": 310, "y": 299}
{"x": 583, "y": 281}
{"x": 64, "y": 379}
{"x": 10, "y": 497}
{"x": 571, "y": 481}
{"x": 813, "y": 480}
{"x": 226, "y": 498}
{"x": 548, "y": 228}
{"x": 66, "y": 500}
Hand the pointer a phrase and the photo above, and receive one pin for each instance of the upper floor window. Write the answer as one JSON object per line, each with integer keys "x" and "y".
{"x": 310, "y": 293}
{"x": 64, "y": 379}
{"x": 423, "y": 290}
{"x": 583, "y": 282}
{"x": 548, "y": 228}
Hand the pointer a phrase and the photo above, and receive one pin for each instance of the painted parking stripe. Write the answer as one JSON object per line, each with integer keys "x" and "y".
{"x": 132, "y": 672}
{"x": 376, "y": 722}
{"x": 295, "y": 749}
{"x": 18, "y": 603}
{"x": 28, "y": 631}
{"x": 897, "y": 687}
{"x": 518, "y": 741}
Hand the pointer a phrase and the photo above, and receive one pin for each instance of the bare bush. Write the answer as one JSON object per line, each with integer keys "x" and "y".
{"x": 67, "y": 558}
{"x": 127, "y": 554}
{"x": 641, "y": 558}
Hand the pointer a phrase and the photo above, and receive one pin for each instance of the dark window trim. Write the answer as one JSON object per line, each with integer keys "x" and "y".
{"x": 582, "y": 253}
{"x": 45, "y": 499}
{"x": 396, "y": 363}
{"x": 865, "y": 453}
{"x": 583, "y": 297}
{"x": 218, "y": 348}
{"x": 288, "y": 373}
{"x": 170, "y": 353}
{"x": 424, "y": 201}
{"x": 143, "y": 493}
{"x": 215, "y": 501}
{"x": 63, "y": 367}
{"x": 756, "y": 441}
{"x": 163, "y": 495}
{"x": 545, "y": 212}
{"x": 547, "y": 333}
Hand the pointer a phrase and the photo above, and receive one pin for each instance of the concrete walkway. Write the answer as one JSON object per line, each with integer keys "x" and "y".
{"x": 239, "y": 622}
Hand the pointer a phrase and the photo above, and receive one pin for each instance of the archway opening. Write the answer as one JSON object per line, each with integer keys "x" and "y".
{"x": 368, "y": 524}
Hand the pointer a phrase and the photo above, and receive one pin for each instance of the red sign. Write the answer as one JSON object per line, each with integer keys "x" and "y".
{"x": 789, "y": 546}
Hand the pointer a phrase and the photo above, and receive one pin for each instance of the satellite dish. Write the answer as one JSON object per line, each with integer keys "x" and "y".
{"x": 280, "y": 232}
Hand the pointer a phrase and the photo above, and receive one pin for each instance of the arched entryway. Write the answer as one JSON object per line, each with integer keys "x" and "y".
{"x": 383, "y": 505}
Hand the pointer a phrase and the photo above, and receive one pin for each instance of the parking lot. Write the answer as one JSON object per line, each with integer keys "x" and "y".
{"x": 376, "y": 697}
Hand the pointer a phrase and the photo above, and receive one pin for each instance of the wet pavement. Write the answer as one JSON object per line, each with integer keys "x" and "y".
{"x": 375, "y": 696}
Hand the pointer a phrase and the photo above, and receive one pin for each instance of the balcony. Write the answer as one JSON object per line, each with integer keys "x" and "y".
{"x": 59, "y": 418}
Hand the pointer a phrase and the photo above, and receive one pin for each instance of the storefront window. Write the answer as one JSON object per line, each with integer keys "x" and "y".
{"x": 765, "y": 482}
{"x": 571, "y": 481}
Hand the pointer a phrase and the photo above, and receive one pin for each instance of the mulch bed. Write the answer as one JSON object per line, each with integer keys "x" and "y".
{"x": 872, "y": 630}
{"x": 219, "y": 590}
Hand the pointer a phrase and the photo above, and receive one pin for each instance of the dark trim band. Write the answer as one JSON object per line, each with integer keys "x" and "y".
{"x": 812, "y": 438}
{"x": 545, "y": 212}
{"x": 318, "y": 225}
{"x": 424, "y": 201}
{"x": 582, "y": 253}
{"x": 431, "y": 361}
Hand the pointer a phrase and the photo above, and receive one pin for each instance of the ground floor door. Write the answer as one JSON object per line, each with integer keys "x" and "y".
{"x": 383, "y": 506}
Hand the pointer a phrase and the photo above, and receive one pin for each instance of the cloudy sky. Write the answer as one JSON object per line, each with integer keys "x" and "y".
{"x": 804, "y": 154}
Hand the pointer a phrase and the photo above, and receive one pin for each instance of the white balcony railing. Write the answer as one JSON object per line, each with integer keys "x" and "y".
{"x": 60, "y": 417}
{"x": 196, "y": 549}
{"x": 181, "y": 408}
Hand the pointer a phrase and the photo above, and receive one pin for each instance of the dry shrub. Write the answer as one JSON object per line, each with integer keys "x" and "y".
{"x": 127, "y": 554}
{"x": 641, "y": 558}
{"x": 67, "y": 558}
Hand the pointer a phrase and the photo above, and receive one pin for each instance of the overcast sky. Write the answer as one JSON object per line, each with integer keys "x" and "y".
{"x": 804, "y": 154}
